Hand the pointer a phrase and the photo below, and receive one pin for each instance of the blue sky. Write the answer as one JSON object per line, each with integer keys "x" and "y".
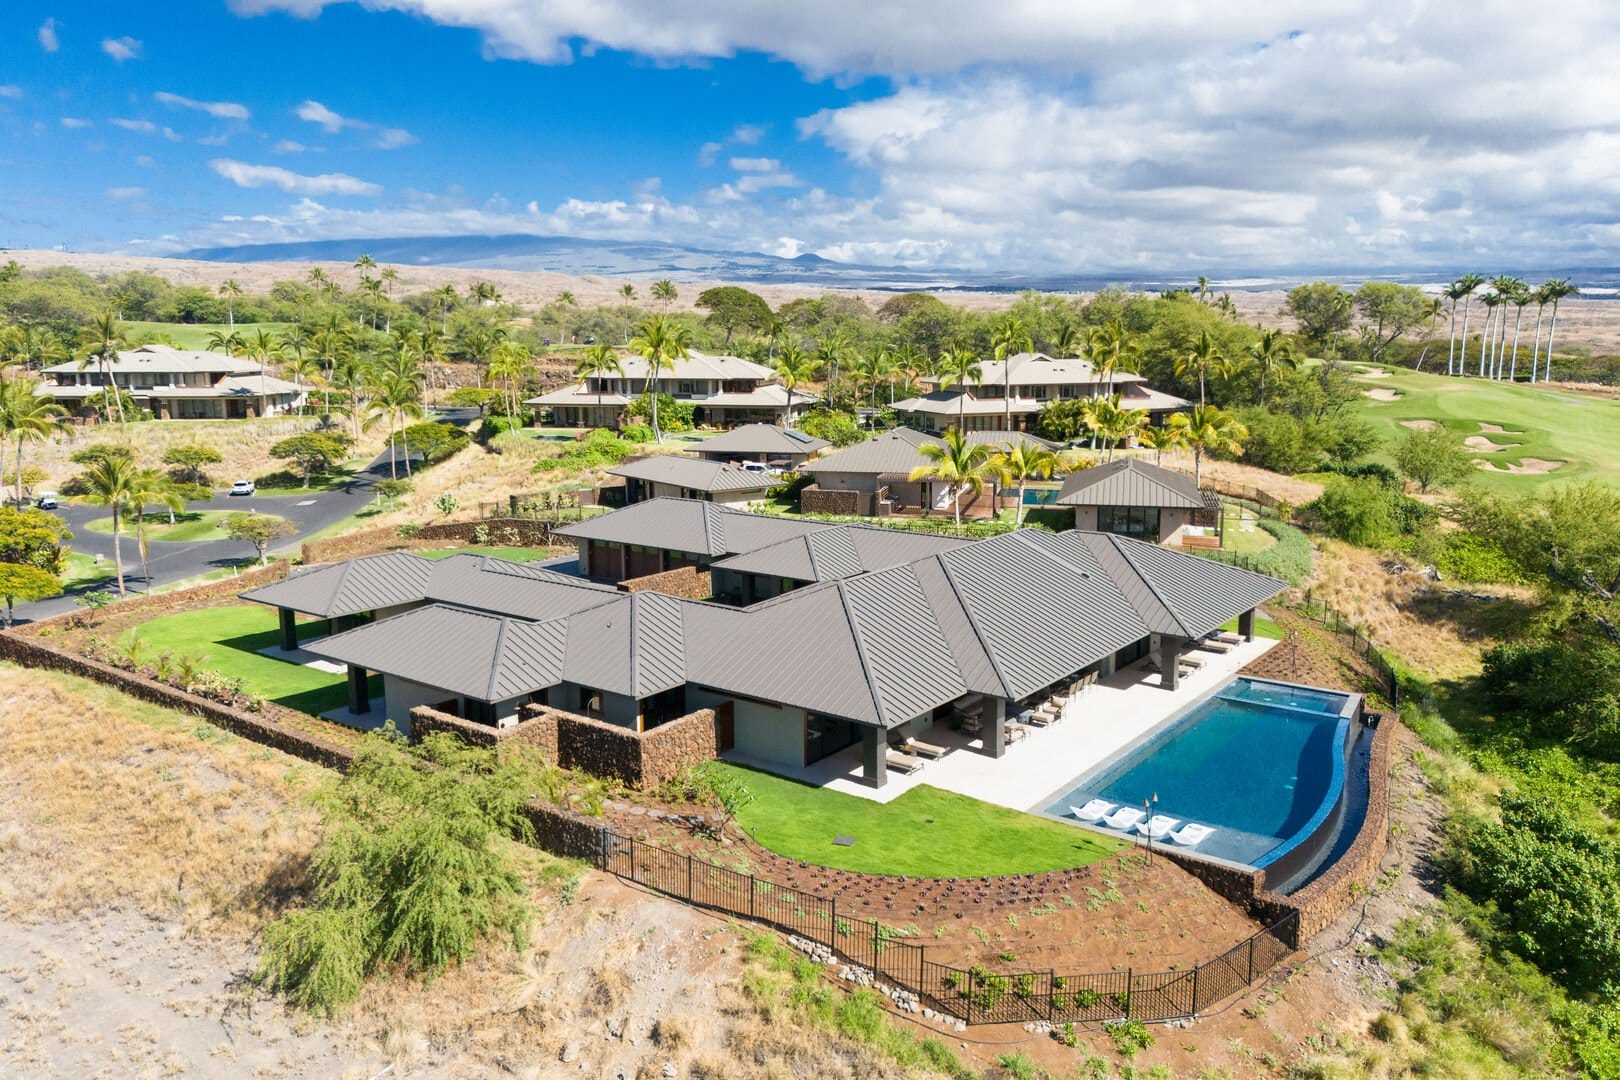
{"x": 1036, "y": 135}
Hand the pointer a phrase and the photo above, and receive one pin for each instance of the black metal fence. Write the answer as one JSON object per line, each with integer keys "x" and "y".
{"x": 976, "y": 994}
{"x": 1336, "y": 622}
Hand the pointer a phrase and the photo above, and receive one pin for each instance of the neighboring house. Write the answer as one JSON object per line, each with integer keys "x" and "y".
{"x": 1129, "y": 497}
{"x": 688, "y": 478}
{"x": 778, "y": 447}
{"x": 891, "y": 636}
{"x": 346, "y": 594}
{"x": 178, "y": 384}
{"x": 1033, "y": 380}
{"x": 723, "y": 390}
{"x": 663, "y": 534}
{"x": 879, "y": 469}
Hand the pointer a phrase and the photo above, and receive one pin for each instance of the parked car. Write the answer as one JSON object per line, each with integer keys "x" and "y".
{"x": 243, "y": 487}
{"x": 759, "y": 467}
{"x": 46, "y": 500}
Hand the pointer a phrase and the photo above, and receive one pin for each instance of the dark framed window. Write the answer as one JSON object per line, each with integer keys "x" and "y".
{"x": 1133, "y": 521}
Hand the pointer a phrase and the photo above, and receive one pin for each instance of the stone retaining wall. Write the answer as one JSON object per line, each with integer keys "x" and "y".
{"x": 684, "y": 581}
{"x": 819, "y": 500}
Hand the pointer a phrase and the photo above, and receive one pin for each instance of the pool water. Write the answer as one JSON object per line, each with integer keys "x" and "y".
{"x": 1257, "y": 761}
{"x": 1040, "y": 496}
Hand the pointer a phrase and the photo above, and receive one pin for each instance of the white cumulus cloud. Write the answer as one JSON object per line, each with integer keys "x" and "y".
{"x": 47, "y": 36}
{"x": 245, "y": 175}
{"x": 222, "y": 110}
{"x": 332, "y": 122}
{"x": 75, "y": 123}
{"x": 121, "y": 49}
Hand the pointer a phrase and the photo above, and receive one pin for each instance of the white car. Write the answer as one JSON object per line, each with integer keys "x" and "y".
{"x": 243, "y": 487}
{"x": 46, "y": 500}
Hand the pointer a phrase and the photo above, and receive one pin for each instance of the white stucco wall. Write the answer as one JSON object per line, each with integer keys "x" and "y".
{"x": 403, "y": 695}
{"x": 768, "y": 734}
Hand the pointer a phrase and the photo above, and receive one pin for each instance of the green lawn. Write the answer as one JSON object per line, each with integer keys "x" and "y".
{"x": 83, "y": 572}
{"x": 1263, "y": 628}
{"x": 1552, "y": 425}
{"x": 188, "y": 525}
{"x": 195, "y": 335}
{"x": 337, "y": 478}
{"x": 511, "y": 554}
{"x": 1244, "y": 540}
{"x": 227, "y": 639}
{"x": 924, "y": 833}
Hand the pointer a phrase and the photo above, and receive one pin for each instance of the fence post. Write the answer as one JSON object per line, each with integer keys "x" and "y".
{"x": 1251, "y": 961}
{"x": 1130, "y": 991}
{"x": 1051, "y": 992}
{"x": 689, "y": 894}
{"x": 1195, "y": 989}
{"x": 874, "y": 947}
{"x": 752, "y": 881}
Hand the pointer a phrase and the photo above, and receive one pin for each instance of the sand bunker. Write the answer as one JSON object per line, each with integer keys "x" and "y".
{"x": 1484, "y": 446}
{"x": 1382, "y": 393}
{"x": 1372, "y": 373}
{"x": 1421, "y": 425}
{"x": 1525, "y": 465}
{"x": 1497, "y": 429}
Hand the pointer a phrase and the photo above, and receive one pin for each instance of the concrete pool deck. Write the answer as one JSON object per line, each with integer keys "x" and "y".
{"x": 1112, "y": 715}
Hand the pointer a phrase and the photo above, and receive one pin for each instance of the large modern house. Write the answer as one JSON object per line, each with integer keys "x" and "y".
{"x": 778, "y": 447}
{"x": 877, "y": 472}
{"x": 723, "y": 390}
{"x": 177, "y": 384}
{"x": 1133, "y": 498}
{"x": 1030, "y": 381}
{"x": 816, "y": 636}
{"x": 659, "y": 475}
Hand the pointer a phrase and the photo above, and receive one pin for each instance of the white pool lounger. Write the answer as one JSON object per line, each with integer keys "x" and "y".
{"x": 1158, "y": 826}
{"x": 1191, "y": 834}
{"x": 1095, "y": 810}
{"x": 1124, "y": 819}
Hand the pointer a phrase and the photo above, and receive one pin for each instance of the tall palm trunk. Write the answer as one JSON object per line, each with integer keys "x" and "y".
{"x": 1535, "y": 343}
{"x": 652, "y": 404}
{"x": 1451, "y": 340}
{"x": 1552, "y": 328}
{"x": 393, "y": 450}
{"x": 1513, "y": 360}
{"x": 118, "y": 548}
{"x": 1501, "y": 342}
{"x": 1462, "y": 364}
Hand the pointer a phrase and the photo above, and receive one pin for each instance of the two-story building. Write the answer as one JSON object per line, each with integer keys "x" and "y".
{"x": 724, "y": 391}
{"x": 177, "y": 384}
{"x": 1009, "y": 394}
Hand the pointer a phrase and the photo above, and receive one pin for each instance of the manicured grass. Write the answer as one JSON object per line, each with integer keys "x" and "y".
{"x": 83, "y": 572}
{"x": 924, "y": 833}
{"x": 228, "y": 638}
{"x": 195, "y": 335}
{"x": 511, "y": 554}
{"x": 1244, "y": 540}
{"x": 188, "y": 525}
{"x": 332, "y": 481}
{"x": 1263, "y": 628}
{"x": 1553, "y": 425}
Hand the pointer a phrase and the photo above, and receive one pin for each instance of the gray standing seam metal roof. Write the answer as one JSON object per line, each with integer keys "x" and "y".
{"x": 1129, "y": 482}
{"x": 689, "y": 525}
{"x": 839, "y": 552}
{"x": 348, "y": 588}
{"x": 762, "y": 440}
{"x": 892, "y": 452}
{"x": 1195, "y": 594}
{"x": 633, "y": 646}
{"x": 503, "y": 588}
{"x": 711, "y": 476}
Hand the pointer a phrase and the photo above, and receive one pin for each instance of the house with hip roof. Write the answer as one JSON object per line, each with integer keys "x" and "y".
{"x": 724, "y": 391}
{"x": 176, "y": 384}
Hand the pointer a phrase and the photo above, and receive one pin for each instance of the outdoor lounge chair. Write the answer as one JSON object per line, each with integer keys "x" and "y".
{"x": 1211, "y": 645}
{"x": 926, "y": 749}
{"x": 1225, "y": 637}
{"x": 1158, "y": 826}
{"x": 1125, "y": 818}
{"x": 905, "y": 763}
{"x": 1191, "y": 833}
{"x": 1095, "y": 810}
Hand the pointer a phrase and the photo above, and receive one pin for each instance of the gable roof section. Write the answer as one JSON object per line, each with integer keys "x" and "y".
{"x": 1129, "y": 482}
{"x": 710, "y": 476}
{"x": 156, "y": 359}
{"x": 635, "y": 646}
{"x": 763, "y": 440}
{"x": 839, "y": 551}
{"x": 348, "y": 588}
{"x": 893, "y": 451}
{"x": 1178, "y": 593}
{"x": 503, "y": 588}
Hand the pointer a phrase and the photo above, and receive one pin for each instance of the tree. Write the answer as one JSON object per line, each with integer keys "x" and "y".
{"x": 1272, "y": 350}
{"x": 231, "y": 290}
{"x": 397, "y": 397}
{"x": 664, "y": 292}
{"x": 1454, "y": 292}
{"x": 793, "y": 367}
{"x": 26, "y": 416}
{"x": 599, "y": 361}
{"x": 1433, "y": 457}
{"x": 1204, "y": 356}
{"x": 1019, "y": 463}
{"x": 509, "y": 363}
{"x": 1468, "y": 283}
{"x": 1389, "y": 312}
{"x": 1322, "y": 310}
{"x": 1519, "y": 297}
{"x": 1555, "y": 290}
{"x": 1160, "y": 439}
{"x": 659, "y": 343}
{"x": 19, "y": 581}
{"x": 565, "y": 300}
{"x": 149, "y": 487}
{"x": 1009, "y": 336}
{"x": 445, "y": 299}
{"x": 959, "y": 367}
{"x": 33, "y": 538}
{"x": 104, "y": 338}
{"x": 956, "y": 463}
{"x": 1357, "y": 510}
{"x": 313, "y": 453}
{"x": 483, "y": 294}
{"x": 109, "y": 482}
{"x": 1206, "y": 429}
{"x": 260, "y": 530}
{"x": 732, "y": 307}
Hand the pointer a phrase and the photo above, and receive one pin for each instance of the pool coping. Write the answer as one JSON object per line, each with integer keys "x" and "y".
{"x": 1332, "y": 799}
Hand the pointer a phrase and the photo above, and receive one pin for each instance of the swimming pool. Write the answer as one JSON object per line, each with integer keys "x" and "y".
{"x": 1261, "y": 762}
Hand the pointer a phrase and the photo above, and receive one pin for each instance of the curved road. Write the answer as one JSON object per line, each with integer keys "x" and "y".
{"x": 170, "y": 561}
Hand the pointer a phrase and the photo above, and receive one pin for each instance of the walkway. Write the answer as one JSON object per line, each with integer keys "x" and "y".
{"x": 1111, "y": 716}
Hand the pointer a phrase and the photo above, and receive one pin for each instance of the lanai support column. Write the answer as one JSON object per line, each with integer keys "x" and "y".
{"x": 874, "y": 763}
{"x": 1170, "y": 647}
{"x": 289, "y": 629}
{"x": 359, "y": 698}
{"x": 1246, "y": 625}
{"x": 995, "y": 727}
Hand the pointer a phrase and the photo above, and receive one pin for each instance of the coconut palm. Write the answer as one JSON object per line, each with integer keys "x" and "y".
{"x": 660, "y": 342}
{"x": 149, "y": 487}
{"x": 26, "y": 416}
{"x": 958, "y": 366}
{"x": 863, "y": 370}
{"x": 1467, "y": 283}
{"x": 1065, "y": 339}
{"x": 833, "y": 351}
{"x": 108, "y": 482}
{"x": 1519, "y": 297}
{"x": 1160, "y": 439}
{"x": 1453, "y": 292}
{"x": 1203, "y": 356}
{"x": 1019, "y": 463}
{"x": 1009, "y": 336}
{"x": 231, "y": 290}
{"x": 665, "y": 293}
{"x": 483, "y": 293}
{"x": 389, "y": 276}
{"x": 509, "y": 363}
{"x": 1542, "y": 299}
{"x": 1111, "y": 350}
{"x": 958, "y": 464}
{"x": 395, "y": 396}
{"x": 38, "y": 347}
{"x": 352, "y": 378}
{"x": 444, "y": 298}
{"x": 363, "y": 264}
{"x": 1556, "y": 290}
{"x": 317, "y": 278}
{"x": 105, "y": 337}
{"x": 599, "y": 362}
{"x": 565, "y": 300}
{"x": 1204, "y": 429}
{"x": 793, "y": 366}
{"x": 910, "y": 362}
{"x": 231, "y": 342}
{"x": 1506, "y": 287}
{"x": 884, "y": 367}
{"x": 1272, "y": 350}
{"x": 1492, "y": 300}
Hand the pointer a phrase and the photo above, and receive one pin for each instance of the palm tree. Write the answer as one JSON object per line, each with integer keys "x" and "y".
{"x": 1492, "y": 300}
{"x": 483, "y": 293}
{"x": 231, "y": 290}
{"x": 1111, "y": 350}
{"x": 959, "y": 366}
{"x": 1542, "y": 299}
{"x": 793, "y": 367}
{"x": 660, "y": 343}
{"x": 910, "y": 362}
{"x": 1504, "y": 286}
{"x": 1009, "y": 335}
{"x": 389, "y": 276}
{"x": 396, "y": 396}
{"x": 663, "y": 291}
{"x": 1064, "y": 341}
{"x": 627, "y": 292}
{"x": 1467, "y": 283}
{"x": 863, "y": 369}
{"x": 565, "y": 300}
{"x": 106, "y": 337}
{"x": 352, "y": 377}
{"x": 509, "y": 363}
{"x": 833, "y": 351}
{"x": 147, "y": 487}
{"x": 883, "y": 367}
{"x": 109, "y": 481}
{"x": 1453, "y": 292}
{"x": 1203, "y": 356}
{"x": 1019, "y": 463}
{"x": 1160, "y": 439}
{"x": 230, "y": 343}
{"x": 1556, "y": 290}
{"x": 1204, "y": 428}
{"x": 318, "y": 279}
{"x": 26, "y": 416}
{"x": 364, "y": 263}
{"x": 599, "y": 362}
{"x": 1272, "y": 350}
{"x": 1519, "y": 297}
{"x": 444, "y": 298}
{"x": 956, "y": 463}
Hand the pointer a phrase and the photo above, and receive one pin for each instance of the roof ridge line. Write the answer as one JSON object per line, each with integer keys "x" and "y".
{"x": 500, "y": 654}
{"x": 635, "y": 648}
{"x": 860, "y": 652}
{"x": 1157, "y": 595}
{"x": 973, "y": 624}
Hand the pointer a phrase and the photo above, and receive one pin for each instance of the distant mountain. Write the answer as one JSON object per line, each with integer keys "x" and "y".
{"x": 607, "y": 258}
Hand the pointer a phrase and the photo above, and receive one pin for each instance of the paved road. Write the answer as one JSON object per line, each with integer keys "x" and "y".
{"x": 171, "y": 561}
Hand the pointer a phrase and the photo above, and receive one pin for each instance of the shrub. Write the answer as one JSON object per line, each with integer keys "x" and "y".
{"x": 636, "y": 433}
{"x": 838, "y": 428}
{"x": 598, "y": 449}
{"x": 1289, "y": 558}
{"x": 673, "y": 414}
{"x": 1467, "y": 556}
{"x": 1357, "y": 511}
{"x": 1130, "y": 1037}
